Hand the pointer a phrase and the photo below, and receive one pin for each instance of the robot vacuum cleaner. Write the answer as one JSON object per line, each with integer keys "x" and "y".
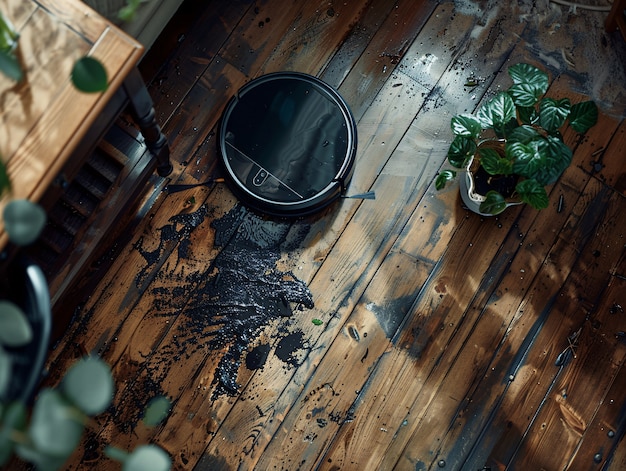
{"x": 288, "y": 142}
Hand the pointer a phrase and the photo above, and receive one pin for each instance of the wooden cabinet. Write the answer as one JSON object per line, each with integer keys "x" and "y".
{"x": 50, "y": 131}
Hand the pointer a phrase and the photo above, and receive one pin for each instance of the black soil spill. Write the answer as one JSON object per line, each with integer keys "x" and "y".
{"x": 289, "y": 347}
{"x": 225, "y": 307}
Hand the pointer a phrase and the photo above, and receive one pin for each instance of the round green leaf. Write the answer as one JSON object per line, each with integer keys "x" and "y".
{"x": 529, "y": 84}
{"x": 15, "y": 330}
{"x": 523, "y": 72}
{"x": 583, "y": 116}
{"x": 461, "y": 150}
{"x": 116, "y": 453}
{"x": 23, "y": 221}
{"x": 55, "y": 428}
{"x": 465, "y": 125}
{"x": 556, "y": 157}
{"x": 553, "y": 113}
{"x": 497, "y": 112}
{"x": 156, "y": 411}
{"x": 444, "y": 177}
{"x": 89, "y": 385}
{"x": 524, "y": 134}
{"x": 532, "y": 192}
{"x": 14, "y": 417}
{"x": 147, "y": 458}
{"x": 10, "y": 66}
{"x": 494, "y": 203}
{"x": 89, "y": 75}
{"x": 493, "y": 163}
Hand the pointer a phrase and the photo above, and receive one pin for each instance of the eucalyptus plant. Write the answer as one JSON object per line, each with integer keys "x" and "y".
{"x": 529, "y": 124}
{"x": 60, "y": 415}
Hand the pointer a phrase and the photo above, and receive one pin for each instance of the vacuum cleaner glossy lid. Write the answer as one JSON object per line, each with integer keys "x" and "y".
{"x": 288, "y": 143}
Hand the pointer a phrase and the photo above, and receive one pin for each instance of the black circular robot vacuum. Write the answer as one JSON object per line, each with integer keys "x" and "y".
{"x": 288, "y": 143}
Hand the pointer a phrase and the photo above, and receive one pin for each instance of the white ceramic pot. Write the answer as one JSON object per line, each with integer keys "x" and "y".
{"x": 470, "y": 198}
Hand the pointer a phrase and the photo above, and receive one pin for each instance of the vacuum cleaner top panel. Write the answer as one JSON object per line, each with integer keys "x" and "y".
{"x": 288, "y": 142}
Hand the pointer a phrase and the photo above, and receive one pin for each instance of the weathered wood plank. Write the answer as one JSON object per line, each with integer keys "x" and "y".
{"x": 435, "y": 122}
{"x": 338, "y": 278}
{"x": 586, "y": 287}
{"x": 501, "y": 307}
{"x": 537, "y": 348}
{"x": 396, "y": 96}
{"x": 607, "y": 161}
{"x": 128, "y": 328}
{"x": 578, "y": 413}
{"x": 379, "y": 51}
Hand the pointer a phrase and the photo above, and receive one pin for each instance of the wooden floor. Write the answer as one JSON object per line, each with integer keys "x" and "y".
{"x": 440, "y": 330}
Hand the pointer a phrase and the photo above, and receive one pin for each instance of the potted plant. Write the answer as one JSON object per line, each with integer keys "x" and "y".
{"x": 512, "y": 148}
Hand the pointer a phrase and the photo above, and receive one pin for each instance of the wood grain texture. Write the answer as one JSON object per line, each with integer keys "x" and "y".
{"x": 45, "y": 117}
{"x": 436, "y": 330}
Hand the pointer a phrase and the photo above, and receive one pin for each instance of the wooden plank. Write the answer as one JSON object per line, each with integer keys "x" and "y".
{"x": 47, "y": 51}
{"x": 570, "y": 415}
{"x": 469, "y": 408}
{"x": 530, "y": 351}
{"x": 198, "y": 47}
{"x": 79, "y": 17}
{"x": 587, "y": 285}
{"x": 364, "y": 175}
{"x": 130, "y": 329}
{"x": 430, "y": 128}
{"x": 364, "y": 268}
{"x": 434, "y": 123}
{"x": 389, "y": 47}
{"x": 607, "y": 162}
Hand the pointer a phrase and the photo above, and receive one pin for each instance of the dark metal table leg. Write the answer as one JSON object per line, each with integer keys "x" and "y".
{"x": 142, "y": 108}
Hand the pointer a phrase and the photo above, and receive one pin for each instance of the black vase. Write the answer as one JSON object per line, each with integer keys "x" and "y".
{"x": 28, "y": 288}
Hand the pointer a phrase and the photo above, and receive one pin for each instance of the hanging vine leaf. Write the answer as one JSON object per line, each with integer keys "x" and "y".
{"x": 54, "y": 430}
{"x": 5, "y": 181}
{"x": 6, "y": 369}
{"x": 89, "y": 75}
{"x": 9, "y": 65}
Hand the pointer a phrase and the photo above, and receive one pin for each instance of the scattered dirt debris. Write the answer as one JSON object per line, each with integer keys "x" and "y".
{"x": 224, "y": 308}
{"x": 567, "y": 40}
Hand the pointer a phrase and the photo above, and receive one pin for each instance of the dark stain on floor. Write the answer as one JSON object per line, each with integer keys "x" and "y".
{"x": 226, "y": 307}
